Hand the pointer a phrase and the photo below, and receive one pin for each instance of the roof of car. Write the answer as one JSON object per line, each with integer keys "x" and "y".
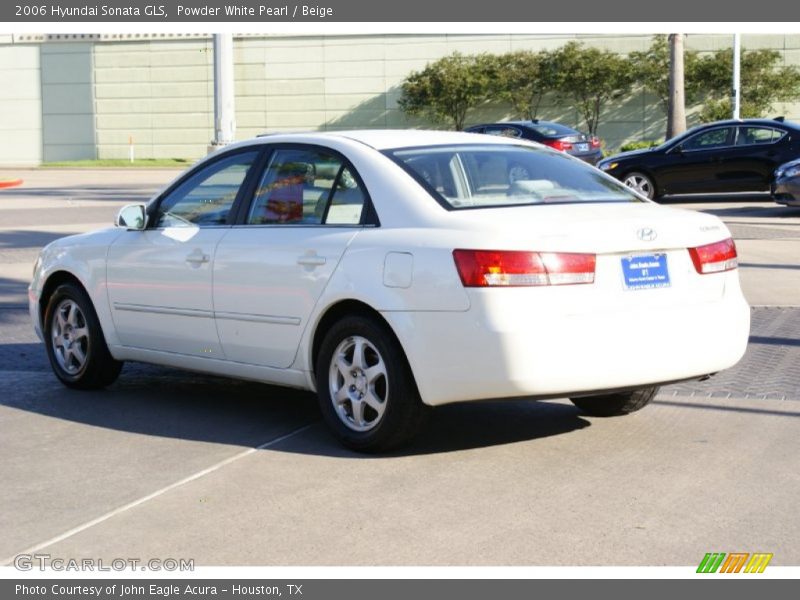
{"x": 383, "y": 139}
{"x": 521, "y": 124}
{"x": 769, "y": 122}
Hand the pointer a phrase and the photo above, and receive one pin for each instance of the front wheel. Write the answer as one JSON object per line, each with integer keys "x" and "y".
{"x": 641, "y": 183}
{"x": 75, "y": 344}
{"x": 613, "y": 405}
{"x": 366, "y": 391}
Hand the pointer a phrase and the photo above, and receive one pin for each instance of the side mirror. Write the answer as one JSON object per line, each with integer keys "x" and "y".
{"x": 132, "y": 217}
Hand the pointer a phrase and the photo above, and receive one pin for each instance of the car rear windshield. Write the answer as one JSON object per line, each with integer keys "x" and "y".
{"x": 552, "y": 129}
{"x": 489, "y": 175}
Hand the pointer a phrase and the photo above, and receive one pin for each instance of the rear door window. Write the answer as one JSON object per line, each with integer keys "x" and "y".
{"x": 504, "y": 130}
{"x": 752, "y": 136}
{"x": 303, "y": 186}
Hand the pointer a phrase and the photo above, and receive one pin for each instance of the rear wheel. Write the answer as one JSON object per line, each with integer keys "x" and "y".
{"x": 365, "y": 387}
{"x": 75, "y": 344}
{"x": 641, "y": 183}
{"x": 613, "y": 405}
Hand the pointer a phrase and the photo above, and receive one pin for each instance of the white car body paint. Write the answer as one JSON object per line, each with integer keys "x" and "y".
{"x": 237, "y": 312}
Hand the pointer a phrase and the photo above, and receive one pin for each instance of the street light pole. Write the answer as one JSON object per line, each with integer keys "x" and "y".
{"x": 224, "y": 106}
{"x": 737, "y": 64}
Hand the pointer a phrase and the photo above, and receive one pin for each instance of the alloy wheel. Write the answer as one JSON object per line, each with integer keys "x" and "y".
{"x": 640, "y": 183}
{"x": 358, "y": 383}
{"x": 70, "y": 337}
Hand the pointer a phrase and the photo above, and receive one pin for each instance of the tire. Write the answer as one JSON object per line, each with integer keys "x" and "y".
{"x": 74, "y": 340}
{"x": 644, "y": 184}
{"x": 360, "y": 358}
{"x": 614, "y": 405}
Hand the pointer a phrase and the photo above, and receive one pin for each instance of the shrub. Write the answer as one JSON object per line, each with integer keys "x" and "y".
{"x": 640, "y": 145}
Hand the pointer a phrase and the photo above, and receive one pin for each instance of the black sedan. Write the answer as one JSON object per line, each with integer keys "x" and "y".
{"x": 726, "y": 156}
{"x": 551, "y": 134}
{"x": 786, "y": 185}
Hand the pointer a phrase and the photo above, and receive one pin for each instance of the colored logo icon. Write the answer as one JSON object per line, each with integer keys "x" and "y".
{"x": 735, "y": 562}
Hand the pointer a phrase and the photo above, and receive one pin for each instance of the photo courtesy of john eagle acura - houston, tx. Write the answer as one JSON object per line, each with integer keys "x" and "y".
{"x": 395, "y": 271}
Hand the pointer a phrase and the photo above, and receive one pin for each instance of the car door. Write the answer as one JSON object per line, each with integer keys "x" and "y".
{"x": 699, "y": 163}
{"x": 270, "y": 270}
{"x": 159, "y": 279}
{"x": 759, "y": 151}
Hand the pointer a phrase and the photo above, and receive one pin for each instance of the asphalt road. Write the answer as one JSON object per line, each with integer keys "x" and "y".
{"x": 170, "y": 464}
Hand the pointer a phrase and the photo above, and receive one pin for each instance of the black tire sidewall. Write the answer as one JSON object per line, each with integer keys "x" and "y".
{"x": 617, "y": 404}
{"x": 398, "y": 421}
{"x": 98, "y": 358}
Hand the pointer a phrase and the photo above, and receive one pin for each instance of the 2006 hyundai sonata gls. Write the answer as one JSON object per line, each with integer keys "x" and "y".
{"x": 395, "y": 270}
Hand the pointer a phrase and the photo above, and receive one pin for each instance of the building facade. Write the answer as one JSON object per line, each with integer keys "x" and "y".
{"x": 73, "y": 96}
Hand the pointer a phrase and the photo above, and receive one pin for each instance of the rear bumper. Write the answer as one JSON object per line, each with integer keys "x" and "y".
{"x": 786, "y": 191}
{"x": 502, "y": 348}
{"x": 592, "y": 157}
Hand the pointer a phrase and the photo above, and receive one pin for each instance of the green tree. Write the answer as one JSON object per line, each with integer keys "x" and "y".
{"x": 449, "y": 87}
{"x": 590, "y": 78}
{"x": 523, "y": 80}
{"x": 763, "y": 83}
{"x": 651, "y": 70}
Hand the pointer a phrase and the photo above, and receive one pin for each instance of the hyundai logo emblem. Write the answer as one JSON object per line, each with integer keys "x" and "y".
{"x": 646, "y": 234}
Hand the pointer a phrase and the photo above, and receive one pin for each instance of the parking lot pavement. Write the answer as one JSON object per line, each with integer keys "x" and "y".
{"x": 170, "y": 464}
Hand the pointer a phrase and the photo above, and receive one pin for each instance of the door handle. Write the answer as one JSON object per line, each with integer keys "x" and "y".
{"x": 198, "y": 258}
{"x": 311, "y": 260}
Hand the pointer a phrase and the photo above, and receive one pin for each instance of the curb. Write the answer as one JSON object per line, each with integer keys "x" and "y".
{"x": 7, "y": 183}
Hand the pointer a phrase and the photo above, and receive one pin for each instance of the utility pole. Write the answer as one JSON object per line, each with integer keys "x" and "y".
{"x": 676, "y": 107}
{"x": 736, "y": 97}
{"x": 224, "y": 106}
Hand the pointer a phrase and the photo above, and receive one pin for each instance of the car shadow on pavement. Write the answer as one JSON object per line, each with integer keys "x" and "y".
{"x": 13, "y": 294}
{"x": 17, "y": 239}
{"x": 764, "y": 212}
{"x": 155, "y": 401}
{"x": 493, "y": 423}
{"x": 703, "y": 198}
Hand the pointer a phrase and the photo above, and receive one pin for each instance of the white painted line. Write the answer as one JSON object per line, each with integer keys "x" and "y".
{"x": 157, "y": 493}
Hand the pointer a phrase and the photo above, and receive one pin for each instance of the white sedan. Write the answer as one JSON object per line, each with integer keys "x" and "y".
{"x": 392, "y": 271}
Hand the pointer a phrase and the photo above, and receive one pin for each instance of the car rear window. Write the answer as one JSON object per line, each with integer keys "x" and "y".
{"x": 552, "y": 129}
{"x": 481, "y": 176}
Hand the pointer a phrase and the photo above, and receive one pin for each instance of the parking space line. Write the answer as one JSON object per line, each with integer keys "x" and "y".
{"x": 155, "y": 494}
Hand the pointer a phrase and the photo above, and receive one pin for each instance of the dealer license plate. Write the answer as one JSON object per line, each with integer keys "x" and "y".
{"x": 645, "y": 271}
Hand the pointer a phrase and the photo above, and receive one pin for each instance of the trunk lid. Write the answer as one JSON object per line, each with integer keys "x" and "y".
{"x": 626, "y": 237}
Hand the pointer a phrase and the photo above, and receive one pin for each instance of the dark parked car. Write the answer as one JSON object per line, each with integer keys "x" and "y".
{"x": 726, "y": 156}
{"x": 551, "y": 134}
{"x": 786, "y": 185}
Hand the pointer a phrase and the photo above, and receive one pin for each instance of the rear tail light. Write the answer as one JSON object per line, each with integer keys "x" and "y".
{"x": 714, "y": 258}
{"x": 558, "y": 144}
{"x": 595, "y": 142}
{"x": 509, "y": 268}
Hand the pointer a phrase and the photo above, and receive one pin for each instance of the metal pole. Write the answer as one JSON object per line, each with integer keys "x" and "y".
{"x": 737, "y": 65}
{"x": 224, "y": 106}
